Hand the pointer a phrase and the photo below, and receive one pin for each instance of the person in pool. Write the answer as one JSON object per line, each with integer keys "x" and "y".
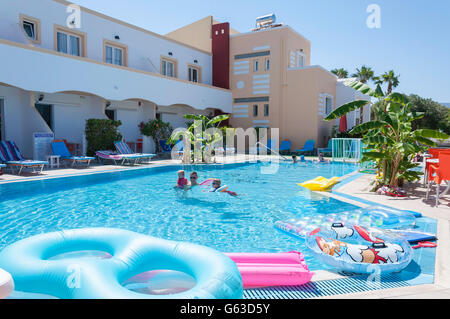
{"x": 294, "y": 159}
{"x": 194, "y": 179}
{"x": 182, "y": 182}
{"x": 322, "y": 159}
{"x": 217, "y": 184}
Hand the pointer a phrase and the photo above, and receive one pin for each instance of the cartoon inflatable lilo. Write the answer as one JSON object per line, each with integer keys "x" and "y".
{"x": 380, "y": 252}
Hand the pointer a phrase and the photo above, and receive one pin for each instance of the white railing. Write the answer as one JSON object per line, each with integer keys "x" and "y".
{"x": 347, "y": 149}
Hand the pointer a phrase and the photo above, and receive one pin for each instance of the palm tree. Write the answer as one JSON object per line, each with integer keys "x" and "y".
{"x": 391, "y": 79}
{"x": 340, "y": 73}
{"x": 378, "y": 80}
{"x": 363, "y": 75}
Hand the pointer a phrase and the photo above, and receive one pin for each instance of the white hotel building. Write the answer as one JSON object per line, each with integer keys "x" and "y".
{"x": 54, "y": 76}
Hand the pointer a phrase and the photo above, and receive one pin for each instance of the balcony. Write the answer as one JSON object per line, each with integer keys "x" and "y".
{"x": 41, "y": 70}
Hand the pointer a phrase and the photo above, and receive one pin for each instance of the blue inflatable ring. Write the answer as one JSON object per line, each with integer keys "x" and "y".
{"x": 360, "y": 250}
{"x": 31, "y": 265}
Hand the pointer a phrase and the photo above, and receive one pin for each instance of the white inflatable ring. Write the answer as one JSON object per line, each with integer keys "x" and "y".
{"x": 6, "y": 284}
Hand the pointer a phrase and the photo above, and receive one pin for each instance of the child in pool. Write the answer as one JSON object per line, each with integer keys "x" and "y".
{"x": 294, "y": 159}
{"x": 182, "y": 182}
{"x": 216, "y": 185}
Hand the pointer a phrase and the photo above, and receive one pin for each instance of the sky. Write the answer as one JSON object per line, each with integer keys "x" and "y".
{"x": 413, "y": 38}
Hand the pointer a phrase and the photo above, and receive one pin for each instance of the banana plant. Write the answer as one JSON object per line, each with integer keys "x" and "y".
{"x": 203, "y": 134}
{"x": 389, "y": 137}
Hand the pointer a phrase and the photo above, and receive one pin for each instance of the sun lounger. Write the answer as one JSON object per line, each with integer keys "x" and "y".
{"x": 329, "y": 148}
{"x": 307, "y": 148}
{"x": 165, "y": 148}
{"x": 60, "y": 148}
{"x": 120, "y": 159}
{"x": 10, "y": 155}
{"x": 123, "y": 149}
{"x": 285, "y": 146}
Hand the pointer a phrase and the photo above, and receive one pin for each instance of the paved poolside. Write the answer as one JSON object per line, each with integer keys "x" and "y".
{"x": 354, "y": 191}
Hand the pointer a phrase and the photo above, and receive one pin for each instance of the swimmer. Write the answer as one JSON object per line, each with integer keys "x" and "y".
{"x": 216, "y": 185}
{"x": 182, "y": 182}
{"x": 322, "y": 159}
{"x": 194, "y": 179}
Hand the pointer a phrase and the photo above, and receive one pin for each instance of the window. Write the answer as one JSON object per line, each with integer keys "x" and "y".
{"x": 300, "y": 59}
{"x": 115, "y": 53}
{"x": 70, "y": 42}
{"x": 266, "y": 109}
{"x": 169, "y": 67}
{"x": 31, "y": 28}
{"x": 267, "y": 66}
{"x": 328, "y": 105}
{"x": 255, "y": 66}
{"x": 255, "y": 110}
{"x": 194, "y": 74}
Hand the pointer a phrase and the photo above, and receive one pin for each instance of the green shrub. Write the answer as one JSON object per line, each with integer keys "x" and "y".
{"x": 101, "y": 135}
{"x": 156, "y": 129}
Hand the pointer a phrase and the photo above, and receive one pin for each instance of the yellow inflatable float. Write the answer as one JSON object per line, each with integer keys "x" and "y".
{"x": 320, "y": 183}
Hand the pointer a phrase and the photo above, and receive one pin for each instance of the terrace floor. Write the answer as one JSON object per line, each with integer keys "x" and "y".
{"x": 354, "y": 190}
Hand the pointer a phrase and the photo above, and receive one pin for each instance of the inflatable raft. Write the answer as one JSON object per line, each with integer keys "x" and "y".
{"x": 45, "y": 264}
{"x": 268, "y": 270}
{"x": 374, "y": 216}
{"x": 320, "y": 183}
{"x": 360, "y": 250}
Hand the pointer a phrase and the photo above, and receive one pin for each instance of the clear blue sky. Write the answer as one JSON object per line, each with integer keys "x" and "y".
{"x": 414, "y": 38}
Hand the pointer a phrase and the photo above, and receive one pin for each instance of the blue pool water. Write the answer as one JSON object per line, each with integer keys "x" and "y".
{"x": 144, "y": 201}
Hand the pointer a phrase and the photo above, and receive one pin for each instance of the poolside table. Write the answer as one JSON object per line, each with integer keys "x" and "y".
{"x": 53, "y": 160}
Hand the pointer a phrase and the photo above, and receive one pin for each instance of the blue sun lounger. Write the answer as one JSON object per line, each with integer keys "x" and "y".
{"x": 11, "y": 156}
{"x": 123, "y": 149}
{"x": 285, "y": 146}
{"x": 307, "y": 148}
{"x": 60, "y": 148}
{"x": 164, "y": 146}
{"x": 329, "y": 148}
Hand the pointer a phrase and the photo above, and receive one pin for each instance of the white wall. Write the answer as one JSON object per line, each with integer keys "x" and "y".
{"x": 346, "y": 94}
{"x": 142, "y": 45}
{"x": 70, "y": 112}
{"x": 131, "y": 114}
{"x": 42, "y": 71}
{"x": 174, "y": 114}
{"x": 21, "y": 119}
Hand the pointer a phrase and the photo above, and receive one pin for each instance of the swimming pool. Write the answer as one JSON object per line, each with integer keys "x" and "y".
{"x": 144, "y": 201}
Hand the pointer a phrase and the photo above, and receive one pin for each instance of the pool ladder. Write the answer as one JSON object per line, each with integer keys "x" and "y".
{"x": 269, "y": 149}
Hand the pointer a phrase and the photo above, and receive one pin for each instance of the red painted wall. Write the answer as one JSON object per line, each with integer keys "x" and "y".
{"x": 221, "y": 55}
